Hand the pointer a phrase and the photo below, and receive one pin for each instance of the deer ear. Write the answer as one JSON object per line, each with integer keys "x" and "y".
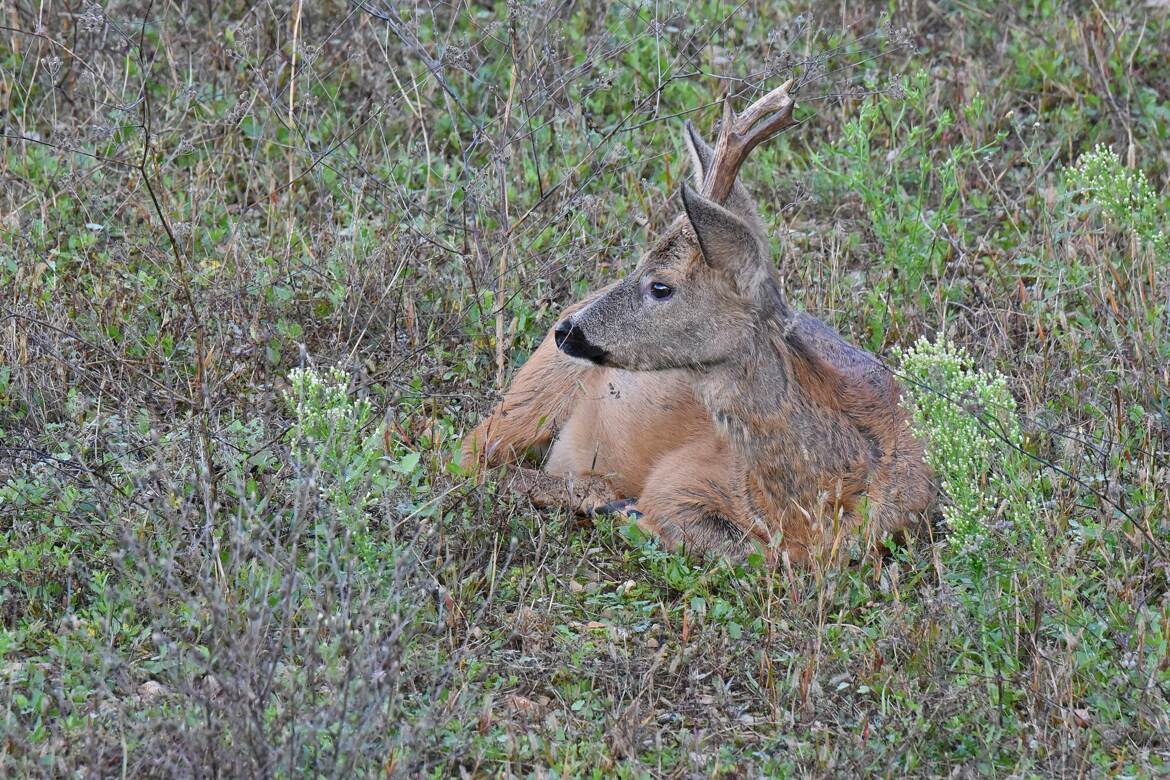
{"x": 726, "y": 240}
{"x": 701, "y": 154}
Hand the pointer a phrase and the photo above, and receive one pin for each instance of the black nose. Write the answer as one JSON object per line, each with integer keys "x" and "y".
{"x": 572, "y": 341}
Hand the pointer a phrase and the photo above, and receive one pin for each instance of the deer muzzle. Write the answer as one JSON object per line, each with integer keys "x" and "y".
{"x": 572, "y": 341}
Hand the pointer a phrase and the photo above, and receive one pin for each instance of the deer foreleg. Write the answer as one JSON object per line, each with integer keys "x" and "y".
{"x": 539, "y": 399}
{"x": 579, "y": 495}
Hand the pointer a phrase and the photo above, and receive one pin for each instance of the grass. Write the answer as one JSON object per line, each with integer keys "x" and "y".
{"x": 250, "y": 286}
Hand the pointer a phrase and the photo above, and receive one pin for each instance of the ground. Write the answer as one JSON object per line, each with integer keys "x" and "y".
{"x": 261, "y": 265}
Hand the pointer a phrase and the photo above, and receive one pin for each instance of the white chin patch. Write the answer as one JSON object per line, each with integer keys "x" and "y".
{"x": 582, "y": 361}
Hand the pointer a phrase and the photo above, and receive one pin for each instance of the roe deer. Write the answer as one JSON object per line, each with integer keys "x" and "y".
{"x": 809, "y": 436}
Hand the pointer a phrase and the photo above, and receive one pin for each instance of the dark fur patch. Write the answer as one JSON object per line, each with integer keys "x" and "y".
{"x": 721, "y": 526}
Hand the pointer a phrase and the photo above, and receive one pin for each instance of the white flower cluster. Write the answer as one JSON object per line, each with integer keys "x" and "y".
{"x": 1124, "y": 195}
{"x": 968, "y": 420}
{"x": 332, "y": 433}
{"x": 321, "y": 407}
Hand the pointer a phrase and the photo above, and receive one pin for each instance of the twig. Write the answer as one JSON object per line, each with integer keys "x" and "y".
{"x": 292, "y": 78}
{"x": 210, "y": 482}
{"x": 502, "y": 268}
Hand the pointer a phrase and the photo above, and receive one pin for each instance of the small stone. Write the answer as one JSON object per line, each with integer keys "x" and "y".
{"x": 151, "y": 690}
{"x": 211, "y": 685}
{"x": 522, "y": 704}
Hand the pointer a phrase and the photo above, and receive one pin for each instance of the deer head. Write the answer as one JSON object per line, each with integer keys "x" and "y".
{"x": 695, "y": 298}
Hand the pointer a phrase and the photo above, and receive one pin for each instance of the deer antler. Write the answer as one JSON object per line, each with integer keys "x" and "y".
{"x": 738, "y": 135}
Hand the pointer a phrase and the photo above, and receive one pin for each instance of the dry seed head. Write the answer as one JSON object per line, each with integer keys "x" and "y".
{"x": 92, "y": 19}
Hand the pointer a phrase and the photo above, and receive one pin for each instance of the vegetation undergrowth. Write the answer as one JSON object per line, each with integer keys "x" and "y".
{"x": 974, "y": 445}
{"x": 258, "y": 265}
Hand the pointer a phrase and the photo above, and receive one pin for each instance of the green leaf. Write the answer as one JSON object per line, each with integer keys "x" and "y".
{"x": 407, "y": 464}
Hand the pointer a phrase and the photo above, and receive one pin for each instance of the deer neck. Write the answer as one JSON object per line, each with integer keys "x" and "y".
{"x": 789, "y": 444}
{"x": 749, "y": 395}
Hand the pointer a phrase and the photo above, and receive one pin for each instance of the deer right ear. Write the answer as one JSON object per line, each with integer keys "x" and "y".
{"x": 701, "y": 154}
{"x": 725, "y": 240}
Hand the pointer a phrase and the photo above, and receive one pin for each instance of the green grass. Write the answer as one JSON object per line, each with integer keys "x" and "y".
{"x": 231, "y": 538}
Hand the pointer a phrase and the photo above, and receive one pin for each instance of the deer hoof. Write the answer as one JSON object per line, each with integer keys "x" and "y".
{"x": 622, "y": 506}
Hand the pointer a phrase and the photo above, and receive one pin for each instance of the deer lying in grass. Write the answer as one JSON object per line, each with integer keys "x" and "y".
{"x": 691, "y": 388}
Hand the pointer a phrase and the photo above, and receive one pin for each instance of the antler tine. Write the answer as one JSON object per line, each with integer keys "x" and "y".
{"x": 738, "y": 135}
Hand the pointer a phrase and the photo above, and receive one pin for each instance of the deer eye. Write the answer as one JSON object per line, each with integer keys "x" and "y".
{"x": 661, "y": 291}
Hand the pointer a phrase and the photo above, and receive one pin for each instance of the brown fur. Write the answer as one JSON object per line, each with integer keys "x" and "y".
{"x": 601, "y": 433}
{"x": 734, "y": 420}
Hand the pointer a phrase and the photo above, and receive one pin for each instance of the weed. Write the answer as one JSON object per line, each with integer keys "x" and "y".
{"x": 974, "y": 443}
{"x": 1102, "y": 184}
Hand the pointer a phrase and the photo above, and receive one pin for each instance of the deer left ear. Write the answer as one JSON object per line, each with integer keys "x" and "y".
{"x": 701, "y": 154}
{"x": 726, "y": 241}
